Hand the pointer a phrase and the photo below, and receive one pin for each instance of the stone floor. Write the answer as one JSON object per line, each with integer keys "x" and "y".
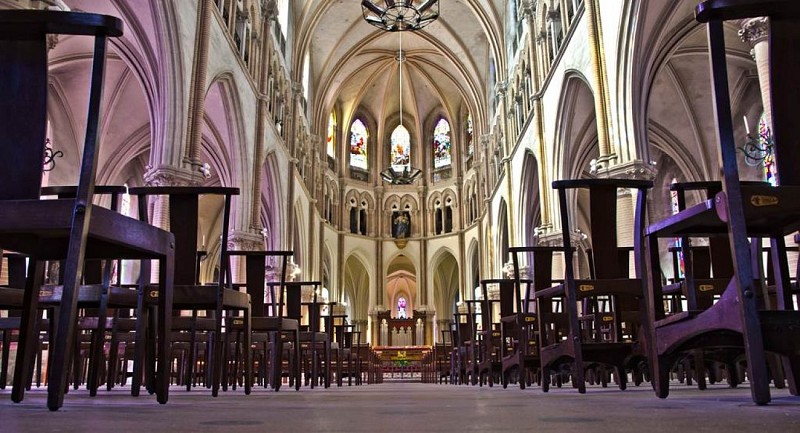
{"x": 408, "y": 407}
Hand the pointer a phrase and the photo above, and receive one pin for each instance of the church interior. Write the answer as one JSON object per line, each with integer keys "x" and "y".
{"x": 508, "y": 201}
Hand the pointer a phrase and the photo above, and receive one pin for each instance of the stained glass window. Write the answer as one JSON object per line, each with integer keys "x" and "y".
{"x": 331, "y": 144}
{"x": 678, "y": 242}
{"x": 441, "y": 144}
{"x": 470, "y": 144}
{"x": 765, "y": 141}
{"x": 401, "y": 149}
{"x": 358, "y": 145}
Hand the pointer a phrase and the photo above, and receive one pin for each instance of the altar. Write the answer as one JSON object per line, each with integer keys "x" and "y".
{"x": 402, "y": 332}
{"x": 402, "y": 362}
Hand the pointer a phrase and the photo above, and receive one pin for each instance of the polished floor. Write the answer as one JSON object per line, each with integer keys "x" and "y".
{"x": 408, "y": 407}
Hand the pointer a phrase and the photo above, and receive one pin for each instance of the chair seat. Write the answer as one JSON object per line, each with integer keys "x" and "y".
{"x": 767, "y": 210}
{"x": 89, "y": 295}
{"x": 110, "y": 234}
{"x": 11, "y": 298}
{"x": 191, "y": 297}
{"x": 266, "y": 324}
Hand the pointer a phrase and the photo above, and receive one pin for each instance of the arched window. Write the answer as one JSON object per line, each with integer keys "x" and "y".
{"x": 470, "y": 143}
{"x": 401, "y": 149}
{"x": 441, "y": 144}
{"x": 673, "y": 196}
{"x": 358, "y": 145}
{"x": 331, "y": 144}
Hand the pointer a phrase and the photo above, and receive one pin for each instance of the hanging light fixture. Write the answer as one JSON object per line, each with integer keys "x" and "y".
{"x": 400, "y": 15}
{"x": 407, "y": 174}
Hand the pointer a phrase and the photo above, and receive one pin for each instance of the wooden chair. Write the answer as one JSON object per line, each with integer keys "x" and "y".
{"x": 609, "y": 298}
{"x": 11, "y": 300}
{"x": 491, "y": 340}
{"x": 739, "y": 318}
{"x": 521, "y": 328}
{"x": 314, "y": 342}
{"x": 189, "y": 294}
{"x": 270, "y": 318}
{"x": 69, "y": 229}
{"x": 708, "y": 270}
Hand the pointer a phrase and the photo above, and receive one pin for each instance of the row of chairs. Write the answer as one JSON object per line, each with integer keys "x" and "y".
{"x": 68, "y": 256}
{"x": 721, "y": 319}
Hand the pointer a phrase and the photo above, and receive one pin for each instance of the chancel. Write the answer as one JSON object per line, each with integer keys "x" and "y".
{"x": 326, "y": 215}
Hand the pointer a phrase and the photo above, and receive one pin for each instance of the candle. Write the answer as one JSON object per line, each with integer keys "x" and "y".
{"x": 746, "y": 126}
{"x": 204, "y": 241}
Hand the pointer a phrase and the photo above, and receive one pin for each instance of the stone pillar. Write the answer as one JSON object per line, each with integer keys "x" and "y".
{"x": 755, "y": 31}
{"x": 197, "y": 95}
{"x": 599, "y": 80}
{"x": 269, "y": 13}
{"x": 529, "y": 13}
{"x": 242, "y": 241}
{"x": 159, "y": 216}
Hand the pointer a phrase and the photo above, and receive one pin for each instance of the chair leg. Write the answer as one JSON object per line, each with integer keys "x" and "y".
{"x": 297, "y": 360}
{"x": 96, "y": 357}
{"x": 6, "y": 355}
{"x": 164, "y": 326}
{"x": 216, "y": 359}
{"x": 277, "y": 360}
{"x": 791, "y": 368}
{"x": 248, "y": 353}
{"x": 29, "y": 330}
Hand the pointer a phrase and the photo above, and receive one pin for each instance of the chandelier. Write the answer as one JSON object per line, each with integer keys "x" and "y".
{"x": 400, "y": 15}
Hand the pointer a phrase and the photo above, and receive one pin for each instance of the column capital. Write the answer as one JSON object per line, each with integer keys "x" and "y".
{"x": 632, "y": 170}
{"x": 501, "y": 87}
{"x": 754, "y": 30}
{"x": 167, "y": 175}
{"x": 528, "y": 10}
{"x": 245, "y": 241}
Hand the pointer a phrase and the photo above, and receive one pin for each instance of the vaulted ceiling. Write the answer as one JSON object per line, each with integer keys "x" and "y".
{"x": 354, "y": 66}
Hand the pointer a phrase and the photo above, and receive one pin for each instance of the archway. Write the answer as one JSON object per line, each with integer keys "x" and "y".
{"x": 401, "y": 287}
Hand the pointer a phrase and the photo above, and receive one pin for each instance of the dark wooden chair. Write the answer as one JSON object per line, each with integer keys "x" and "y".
{"x": 739, "y": 318}
{"x": 69, "y": 229}
{"x": 606, "y": 333}
{"x": 270, "y": 318}
{"x": 707, "y": 272}
{"x": 189, "y": 294}
{"x": 491, "y": 335}
{"x": 463, "y": 331}
{"x": 314, "y": 342}
{"x": 11, "y": 300}
{"x": 521, "y": 328}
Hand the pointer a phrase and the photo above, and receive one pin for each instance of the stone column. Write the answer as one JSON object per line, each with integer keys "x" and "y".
{"x": 197, "y": 95}
{"x": 159, "y": 216}
{"x": 269, "y": 14}
{"x": 528, "y": 11}
{"x": 242, "y": 241}
{"x": 599, "y": 80}
{"x": 755, "y": 31}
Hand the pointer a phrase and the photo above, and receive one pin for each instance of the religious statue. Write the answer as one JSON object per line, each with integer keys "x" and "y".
{"x": 401, "y": 308}
{"x": 402, "y": 225}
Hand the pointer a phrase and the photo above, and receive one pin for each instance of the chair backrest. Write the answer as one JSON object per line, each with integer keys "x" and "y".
{"x": 603, "y": 222}
{"x": 294, "y": 301}
{"x": 256, "y": 280}
{"x": 505, "y": 301}
{"x": 184, "y": 220}
{"x": 23, "y": 96}
{"x": 540, "y": 262}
